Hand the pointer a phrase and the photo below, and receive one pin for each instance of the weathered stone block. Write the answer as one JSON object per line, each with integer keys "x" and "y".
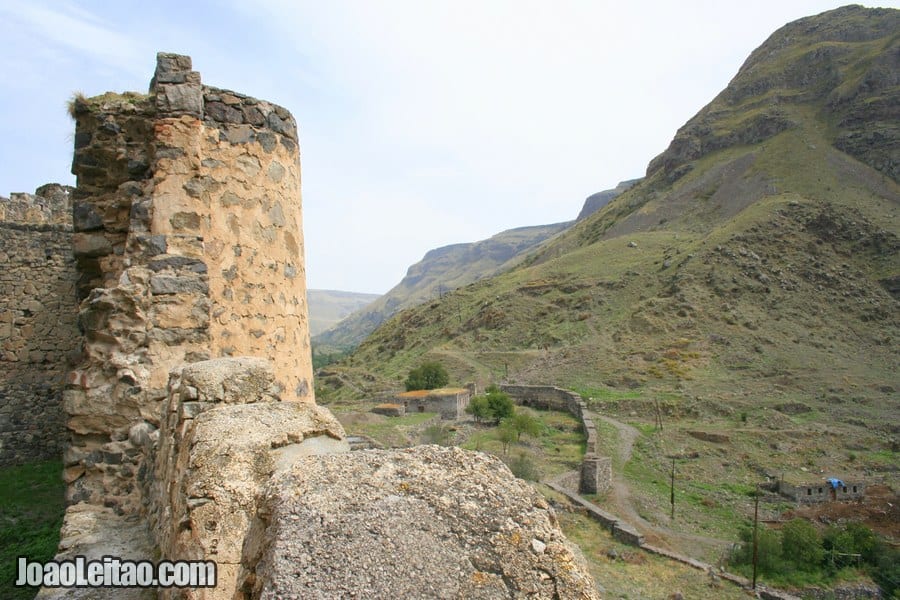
{"x": 180, "y": 99}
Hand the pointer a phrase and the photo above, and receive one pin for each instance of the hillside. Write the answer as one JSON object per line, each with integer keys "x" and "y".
{"x": 440, "y": 271}
{"x": 736, "y": 312}
{"x": 445, "y": 269}
{"x": 328, "y": 307}
{"x": 763, "y": 240}
{"x": 756, "y": 264}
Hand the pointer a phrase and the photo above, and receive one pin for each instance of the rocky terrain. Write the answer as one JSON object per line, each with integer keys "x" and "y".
{"x": 429, "y": 522}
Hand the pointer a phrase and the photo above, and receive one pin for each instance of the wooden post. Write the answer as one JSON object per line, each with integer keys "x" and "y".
{"x": 755, "y": 538}
{"x": 672, "y": 490}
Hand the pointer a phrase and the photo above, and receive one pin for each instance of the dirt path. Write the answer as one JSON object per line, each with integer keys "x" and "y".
{"x": 625, "y": 508}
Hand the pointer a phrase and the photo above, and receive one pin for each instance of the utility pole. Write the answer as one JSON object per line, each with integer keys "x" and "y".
{"x": 755, "y": 535}
{"x": 672, "y": 490}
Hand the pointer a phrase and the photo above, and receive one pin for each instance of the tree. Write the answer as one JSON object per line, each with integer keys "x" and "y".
{"x": 802, "y": 545}
{"x": 526, "y": 423}
{"x": 429, "y": 376}
{"x": 494, "y": 405}
{"x": 507, "y": 434}
{"x": 500, "y": 404}
{"x": 478, "y": 408}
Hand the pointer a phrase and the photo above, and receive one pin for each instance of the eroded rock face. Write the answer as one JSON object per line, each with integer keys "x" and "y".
{"x": 842, "y": 63}
{"x": 425, "y": 522}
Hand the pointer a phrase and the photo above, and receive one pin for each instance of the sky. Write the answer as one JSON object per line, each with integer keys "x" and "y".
{"x": 422, "y": 122}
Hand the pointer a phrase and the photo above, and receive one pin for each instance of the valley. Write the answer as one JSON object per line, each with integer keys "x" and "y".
{"x": 736, "y": 311}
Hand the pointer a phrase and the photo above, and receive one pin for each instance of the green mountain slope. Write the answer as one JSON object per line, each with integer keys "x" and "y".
{"x": 328, "y": 307}
{"x": 440, "y": 271}
{"x": 759, "y": 255}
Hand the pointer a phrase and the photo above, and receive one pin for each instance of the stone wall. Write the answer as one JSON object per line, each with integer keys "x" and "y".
{"x": 37, "y": 321}
{"x": 189, "y": 251}
{"x": 450, "y": 403}
{"x": 224, "y": 435}
{"x": 189, "y": 247}
{"x": 596, "y": 470}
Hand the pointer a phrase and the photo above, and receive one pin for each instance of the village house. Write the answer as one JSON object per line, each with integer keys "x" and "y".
{"x": 451, "y": 403}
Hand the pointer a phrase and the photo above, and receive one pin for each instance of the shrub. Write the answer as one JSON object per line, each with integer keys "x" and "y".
{"x": 429, "y": 376}
{"x": 507, "y": 434}
{"x": 478, "y": 408}
{"x": 524, "y": 422}
{"x": 769, "y": 560}
{"x": 523, "y": 467}
{"x": 801, "y": 545}
{"x": 500, "y": 404}
{"x": 437, "y": 434}
{"x": 494, "y": 405}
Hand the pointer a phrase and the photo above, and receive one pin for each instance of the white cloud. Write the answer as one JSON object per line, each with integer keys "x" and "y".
{"x": 71, "y": 28}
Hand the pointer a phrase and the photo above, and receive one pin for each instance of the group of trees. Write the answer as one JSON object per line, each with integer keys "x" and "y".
{"x": 497, "y": 408}
{"x": 494, "y": 407}
{"x": 800, "y": 553}
{"x": 429, "y": 376}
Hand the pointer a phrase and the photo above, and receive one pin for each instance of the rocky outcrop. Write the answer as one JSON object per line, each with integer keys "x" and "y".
{"x": 595, "y": 202}
{"x": 426, "y": 522}
{"x": 842, "y": 64}
{"x": 224, "y": 435}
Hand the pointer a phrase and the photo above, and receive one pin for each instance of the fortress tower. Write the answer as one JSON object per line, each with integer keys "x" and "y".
{"x": 189, "y": 246}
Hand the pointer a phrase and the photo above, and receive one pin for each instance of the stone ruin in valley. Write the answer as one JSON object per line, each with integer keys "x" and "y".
{"x": 191, "y": 426}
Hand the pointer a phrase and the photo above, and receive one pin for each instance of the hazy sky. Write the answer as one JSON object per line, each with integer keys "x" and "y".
{"x": 422, "y": 122}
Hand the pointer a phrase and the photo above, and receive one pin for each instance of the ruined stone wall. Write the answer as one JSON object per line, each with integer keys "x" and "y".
{"x": 596, "y": 470}
{"x": 37, "y": 321}
{"x": 189, "y": 247}
{"x": 225, "y": 434}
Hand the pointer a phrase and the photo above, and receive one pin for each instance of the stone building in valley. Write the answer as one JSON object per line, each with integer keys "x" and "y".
{"x": 450, "y": 403}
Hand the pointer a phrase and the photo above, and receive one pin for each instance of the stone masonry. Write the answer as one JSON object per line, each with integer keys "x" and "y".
{"x": 596, "y": 470}
{"x": 194, "y": 434}
{"x": 188, "y": 242}
{"x": 37, "y": 321}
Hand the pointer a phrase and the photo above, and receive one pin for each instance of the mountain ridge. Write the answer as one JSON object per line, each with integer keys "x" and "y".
{"x": 653, "y": 279}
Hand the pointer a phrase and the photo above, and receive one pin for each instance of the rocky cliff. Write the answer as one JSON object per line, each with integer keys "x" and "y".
{"x": 595, "y": 202}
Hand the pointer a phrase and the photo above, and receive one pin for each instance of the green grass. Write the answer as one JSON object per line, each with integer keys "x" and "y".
{"x": 559, "y": 447}
{"x": 634, "y": 573}
{"x": 31, "y": 511}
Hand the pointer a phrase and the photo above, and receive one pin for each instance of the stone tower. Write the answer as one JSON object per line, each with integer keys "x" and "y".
{"x": 189, "y": 246}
